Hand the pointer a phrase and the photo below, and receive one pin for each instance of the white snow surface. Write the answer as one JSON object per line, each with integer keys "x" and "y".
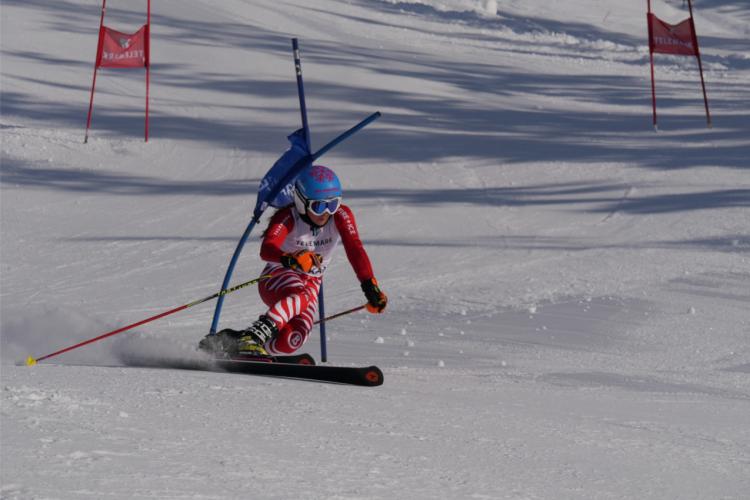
{"x": 568, "y": 289}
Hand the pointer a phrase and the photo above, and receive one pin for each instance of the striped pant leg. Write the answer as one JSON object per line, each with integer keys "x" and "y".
{"x": 295, "y": 333}
{"x": 292, "y": 298}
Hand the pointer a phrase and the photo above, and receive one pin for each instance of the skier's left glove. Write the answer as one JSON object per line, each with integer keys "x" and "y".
{"x": 376, "y": 299}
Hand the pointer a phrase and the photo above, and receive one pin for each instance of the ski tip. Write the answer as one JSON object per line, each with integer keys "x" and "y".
{"x": 373, "y": 376}
{"x": 30, "y": 361}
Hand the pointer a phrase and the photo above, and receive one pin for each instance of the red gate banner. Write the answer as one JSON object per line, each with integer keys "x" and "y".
{"x": 123, "y": 50}
{"x": 116, "y": 49}
{"x": 678, "y": 39}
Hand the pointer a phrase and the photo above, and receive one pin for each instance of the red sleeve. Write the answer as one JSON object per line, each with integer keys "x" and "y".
{"x": 355, "y": 250}
{"x": 279, "y": 227}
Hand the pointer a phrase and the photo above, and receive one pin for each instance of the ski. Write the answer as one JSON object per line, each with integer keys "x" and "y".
{"x": 292, "y": 359}
{"x": 298, "y": 366}
{"x": 369, "y": 376}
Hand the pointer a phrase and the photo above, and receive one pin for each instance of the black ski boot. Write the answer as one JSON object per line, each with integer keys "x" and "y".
{"x": 225, "y": 342}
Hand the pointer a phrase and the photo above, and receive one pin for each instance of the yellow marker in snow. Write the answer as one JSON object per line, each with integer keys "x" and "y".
{"x": 30, "y": 361}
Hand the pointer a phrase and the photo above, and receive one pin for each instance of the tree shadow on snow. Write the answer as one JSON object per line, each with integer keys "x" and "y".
{"x": 591, "y": 197}
{"x": 596, "y": 197}
{"x": 416, "y": 127}
{"x": 17, "y": 172}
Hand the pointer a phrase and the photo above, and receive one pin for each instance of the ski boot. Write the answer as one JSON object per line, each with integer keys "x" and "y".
{"x": 255, "y": 337}
{"x": 223, "y": 343}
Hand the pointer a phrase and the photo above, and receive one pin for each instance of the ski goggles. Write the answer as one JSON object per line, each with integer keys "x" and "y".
{"x": 320, "y": 207}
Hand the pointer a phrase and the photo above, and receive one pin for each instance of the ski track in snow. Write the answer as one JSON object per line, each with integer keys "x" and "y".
{"x": 568, "y": 290}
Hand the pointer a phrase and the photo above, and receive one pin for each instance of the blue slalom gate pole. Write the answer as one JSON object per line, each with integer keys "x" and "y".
{"x": 306, "y": 129}
{"x": 344, "y": 136}
{"x": 230, "y": 270}
{"x": 322, "y": 325}
{"x": 300, "y": 89}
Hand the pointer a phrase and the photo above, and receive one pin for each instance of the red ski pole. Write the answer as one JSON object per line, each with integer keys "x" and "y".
{"x": 30, "y": 361}
{"x": 343, "y": 313}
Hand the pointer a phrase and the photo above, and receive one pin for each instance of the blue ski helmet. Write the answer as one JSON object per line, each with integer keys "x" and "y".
{"x": 315, "y": 183}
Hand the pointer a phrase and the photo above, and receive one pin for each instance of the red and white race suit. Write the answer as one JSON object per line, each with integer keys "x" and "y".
{"x": 292, "y": 296}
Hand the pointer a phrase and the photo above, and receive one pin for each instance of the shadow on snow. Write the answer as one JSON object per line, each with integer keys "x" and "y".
{"x": 416, "y": 127}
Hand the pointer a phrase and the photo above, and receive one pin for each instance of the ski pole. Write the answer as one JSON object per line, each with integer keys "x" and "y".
{"x": 343, "y": 313}
{"x": 30, "y": 361}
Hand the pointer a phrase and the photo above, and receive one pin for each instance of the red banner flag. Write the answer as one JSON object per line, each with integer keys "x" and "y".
{"x": 123, "y": 50}
{"x": 678, "y": 39}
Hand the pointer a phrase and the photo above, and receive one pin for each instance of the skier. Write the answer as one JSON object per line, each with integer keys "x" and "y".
{"x": 297, "y": 246}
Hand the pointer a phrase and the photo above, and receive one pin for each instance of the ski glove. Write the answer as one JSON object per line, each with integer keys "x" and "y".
{"x": 376, "y": 299}
{"x": 302, "y": 260}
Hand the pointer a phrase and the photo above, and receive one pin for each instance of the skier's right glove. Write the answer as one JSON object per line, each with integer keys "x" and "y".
{"x": 376, "y": 299}
{"x": 302, "y": 260}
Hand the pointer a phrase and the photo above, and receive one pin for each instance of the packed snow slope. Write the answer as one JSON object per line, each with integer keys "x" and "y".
{"x": 569, "y": 289}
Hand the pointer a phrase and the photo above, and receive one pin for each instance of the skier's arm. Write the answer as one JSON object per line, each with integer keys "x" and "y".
{"x": 279, "y": 227}
{"x": 355, "y": 252}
